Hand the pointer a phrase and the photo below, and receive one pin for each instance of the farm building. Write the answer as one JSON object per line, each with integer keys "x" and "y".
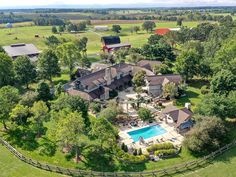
{"x": 112, "y": 43}
{"x": 16, "y": 50}
{"x": 101, "y": 28}
{"x": 9, "y": 25}
{"x": 164, "y": 31}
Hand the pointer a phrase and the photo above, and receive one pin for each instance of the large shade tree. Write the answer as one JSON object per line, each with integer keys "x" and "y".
{"x": 6, "y": 68}
{"x": 25, "y": 71}
{"x": 69, "y": 131}
{"x": 69, "y": 55}
{"x": 9, "y": 97}
{"x": 48, "y": 65}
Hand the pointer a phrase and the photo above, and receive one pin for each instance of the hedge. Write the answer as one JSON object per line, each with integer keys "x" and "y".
{"x": 160, "y": 147}
{"x": 165, "y": 152}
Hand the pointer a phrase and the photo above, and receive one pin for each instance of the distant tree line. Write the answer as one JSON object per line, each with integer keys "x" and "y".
{"x": 11, "y": 18}
{"x": 47, "y": 20}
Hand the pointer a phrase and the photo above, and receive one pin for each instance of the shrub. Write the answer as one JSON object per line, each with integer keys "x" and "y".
{"x": 129, "y": 158}
{"x": 165, "y": 152}
{"x": 95, "y": 107}
{"x": 135, "y": 152}
{"x": 145, "y": 114}
{"x": 204, "y": 90}
{"x": 140, "y": 151}
{"x": 126, "y": 149}
{"x": 160, "y": 147}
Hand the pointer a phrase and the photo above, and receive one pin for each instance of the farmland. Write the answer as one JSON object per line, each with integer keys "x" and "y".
{"x": 27, "y": 33}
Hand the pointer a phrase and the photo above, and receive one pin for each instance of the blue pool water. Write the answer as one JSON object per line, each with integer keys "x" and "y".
{"x": 147, "y": 132}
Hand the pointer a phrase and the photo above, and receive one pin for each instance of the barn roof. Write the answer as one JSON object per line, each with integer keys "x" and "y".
{"x": 109, "y": 40}
{"x": 162, "y": 31}
{"x": 16, "y": 50}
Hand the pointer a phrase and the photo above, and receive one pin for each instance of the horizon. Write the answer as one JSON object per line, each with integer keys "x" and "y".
{"x": 26, "y": 4}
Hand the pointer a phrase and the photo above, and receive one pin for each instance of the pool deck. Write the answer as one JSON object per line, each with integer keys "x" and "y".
{"x": 170, "y": 136}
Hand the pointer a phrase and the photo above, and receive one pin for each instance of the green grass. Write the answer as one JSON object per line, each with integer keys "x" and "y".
{"x": 193, "y": 94}
{"x": 10, "y": 166}
{"x": 223, "y": 166}
{"x": 27, "y": 33}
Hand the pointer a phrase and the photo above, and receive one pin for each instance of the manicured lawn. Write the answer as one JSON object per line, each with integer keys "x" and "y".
{"x": 193, "y": 94}
{"x": 10, "y": 166}
{"x": 223, "y": 166}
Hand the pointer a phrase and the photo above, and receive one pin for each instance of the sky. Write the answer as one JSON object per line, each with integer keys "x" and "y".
{"x": 160, "y": 3}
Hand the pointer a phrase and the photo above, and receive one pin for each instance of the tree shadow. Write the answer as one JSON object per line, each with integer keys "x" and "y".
{"x": 99, "y": 160}
{"x": 23, "y": 138}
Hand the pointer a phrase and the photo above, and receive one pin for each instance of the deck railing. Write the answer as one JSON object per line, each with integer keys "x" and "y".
{"x": 160, "y": 172}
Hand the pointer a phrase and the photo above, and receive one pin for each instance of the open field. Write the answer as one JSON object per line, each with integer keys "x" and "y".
{"x": 223, "y": 166}
{"x": 26, "y": 35}
{"x": 10, "y": 166}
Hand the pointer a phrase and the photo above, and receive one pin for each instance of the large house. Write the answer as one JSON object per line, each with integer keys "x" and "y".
{"x": 16, "y": 50}
{"x": 155, "y": 83}
{"x": 101, "y": 83}
{"x": 180, "y": 118}
{"x": 112, "y": 43}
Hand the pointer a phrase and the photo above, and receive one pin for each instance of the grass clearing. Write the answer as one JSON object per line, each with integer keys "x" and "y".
{"x": 10, "y": 166}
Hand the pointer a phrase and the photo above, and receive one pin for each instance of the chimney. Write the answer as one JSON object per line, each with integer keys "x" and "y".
{"x": 108, "y": 76}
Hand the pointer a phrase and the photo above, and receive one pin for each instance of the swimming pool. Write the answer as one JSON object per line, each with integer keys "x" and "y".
{"x": 147, "y": 132}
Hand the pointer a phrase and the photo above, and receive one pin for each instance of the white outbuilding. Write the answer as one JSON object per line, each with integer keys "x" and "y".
{"x": 101, "y": 28}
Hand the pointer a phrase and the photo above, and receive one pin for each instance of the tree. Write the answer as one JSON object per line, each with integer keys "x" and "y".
{"x": 61, "y": 29}
{"x": 207, "y": 136}
{"x": 145, "y": 114}
{"x": 9, "y": 97}
{"x": 69, "y": 131}
{"x": 52, "y": 41}
{"x": 6, "y": 68}
{"x": 187, "y": 64}
{"x": 159, "y": 51}
{"x": 106, "y": 134}
{"x": 82, "y": 46}
{"x": 116, "y": 28}
{"x": 221, "y": 106}
{"x": 134, "y": 58}
{"x": 136, "y": 29}
{"x": 29, "y": 98}
{"x": 148, "y": 26}
{"x": 20, "y": 114}
{"x": 54, "y": 29}
{"x": 74, "y": 103}
{"x": 170, "y": 90}
{"x": 95, "y": 107}
{"x": 48, "y": 65}
{"x": 69, "y": 55}
{"x": 40, "y": 114}
{"x": 223, "y": 82}
{"x": 202, "y": 31}
{"x": 162, "y": 69}
{"x": 154, "y": 39}
{"x": 43, "y": 91}
{"x": 138, "y": 78}
{"x": 179, "y": 21}
{"x": 2, "y": 50}
{"x": 25, "y": 71}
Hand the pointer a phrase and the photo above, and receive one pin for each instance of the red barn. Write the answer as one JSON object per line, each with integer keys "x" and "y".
{"x": 112, "y": 43}
{"x": 162, "y": 31}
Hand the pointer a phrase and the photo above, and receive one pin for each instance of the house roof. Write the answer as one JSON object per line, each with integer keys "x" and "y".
{"x": 162, "y": 31}
{"x": 148, "y": 64}
{"x": 109, "y": 40}
{"x": 95, "y": 78}
{"x": 178, "y": 115}
{"x": 16, "y": 50}
{"x": 163, "y": 79}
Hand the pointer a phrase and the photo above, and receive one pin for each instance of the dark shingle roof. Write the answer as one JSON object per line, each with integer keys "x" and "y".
{"x": 164, "y": 79}
{"x": 148, "y": 64}
{"x": 178, "y": 115}
{"x": 16, "y": 50}
{"x": 109, "y": 40}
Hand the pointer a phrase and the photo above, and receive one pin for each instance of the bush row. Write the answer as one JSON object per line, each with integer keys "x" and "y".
{"x": 162, "y": 146}
{"x": 165, "y": 152}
